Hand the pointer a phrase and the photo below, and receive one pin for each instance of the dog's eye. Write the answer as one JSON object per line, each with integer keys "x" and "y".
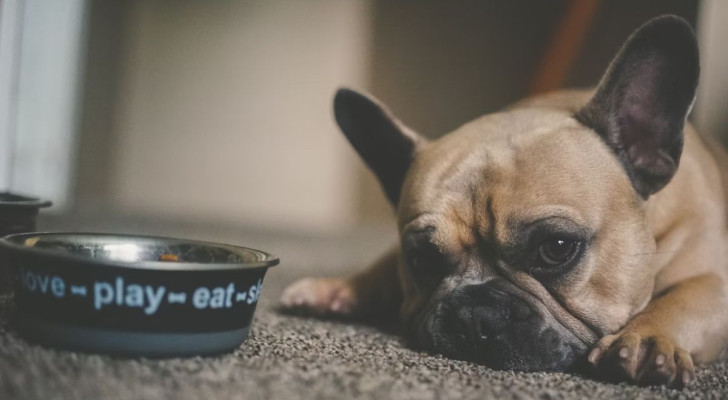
{"x": 557, "y": 251}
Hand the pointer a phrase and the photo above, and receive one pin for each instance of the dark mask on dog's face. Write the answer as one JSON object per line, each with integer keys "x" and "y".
{"x": 523, "y": 233}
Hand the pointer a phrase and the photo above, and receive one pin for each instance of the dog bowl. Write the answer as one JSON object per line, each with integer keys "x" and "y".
{"x": 134, "y": 295}
{"x": 17, "y": 214}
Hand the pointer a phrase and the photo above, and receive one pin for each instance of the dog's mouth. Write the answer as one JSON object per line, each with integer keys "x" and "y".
{"x": 500, "y": 326}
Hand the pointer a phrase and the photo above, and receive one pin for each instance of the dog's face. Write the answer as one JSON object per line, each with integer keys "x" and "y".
{"x": 522, "y": 240}
{"x": 524, "y": 235}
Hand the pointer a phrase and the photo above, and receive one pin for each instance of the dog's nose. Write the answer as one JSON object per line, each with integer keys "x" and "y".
{"x": 487, "y": 322}
{"x": 481, "y": 312}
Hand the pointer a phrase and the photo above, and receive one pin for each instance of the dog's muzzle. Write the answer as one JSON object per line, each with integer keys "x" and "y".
{"x": 493, "y": 324}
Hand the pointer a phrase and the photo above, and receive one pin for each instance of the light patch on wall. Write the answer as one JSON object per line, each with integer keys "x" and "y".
{"x": 225, "y": 112}
{"x": 710, "y": 113}
{"x": 49, "y": 67}
{"x": 11, "y": 17}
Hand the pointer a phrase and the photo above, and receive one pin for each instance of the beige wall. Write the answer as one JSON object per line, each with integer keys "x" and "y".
{"x": 711, "y": 114}
{"x": 224, "y": 111}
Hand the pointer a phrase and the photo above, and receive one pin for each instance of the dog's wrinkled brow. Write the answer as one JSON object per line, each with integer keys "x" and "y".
{"x": 557, "y": 222}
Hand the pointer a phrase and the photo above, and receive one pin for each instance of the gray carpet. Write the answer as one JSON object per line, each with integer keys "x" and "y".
{"x": 290, "y": 357}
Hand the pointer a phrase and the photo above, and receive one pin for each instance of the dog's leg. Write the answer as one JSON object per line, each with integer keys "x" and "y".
{"x": 657, "y": 347}
{"x": 374, "y": 293}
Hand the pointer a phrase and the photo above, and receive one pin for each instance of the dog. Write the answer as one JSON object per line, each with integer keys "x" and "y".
{"x": 573, "y": 228}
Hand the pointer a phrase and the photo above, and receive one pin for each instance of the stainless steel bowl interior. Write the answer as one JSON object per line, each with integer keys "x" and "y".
{"x": 138, "y": 250}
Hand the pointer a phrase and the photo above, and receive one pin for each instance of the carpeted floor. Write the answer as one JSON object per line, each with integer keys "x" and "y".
{"x": 289, "y": 357}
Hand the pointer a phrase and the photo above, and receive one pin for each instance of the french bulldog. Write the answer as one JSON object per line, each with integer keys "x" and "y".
{"x": 573, "y": 228}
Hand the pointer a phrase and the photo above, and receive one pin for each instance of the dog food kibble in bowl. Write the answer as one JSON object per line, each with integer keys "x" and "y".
{"x": 134, "y": 295}
{"x": 168, "y": 257}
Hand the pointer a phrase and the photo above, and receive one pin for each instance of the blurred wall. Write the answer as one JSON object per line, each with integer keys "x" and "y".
{"x": 221, "y": 111}
{"x": 711, "y": 114}
{"x": 42, "y": 52}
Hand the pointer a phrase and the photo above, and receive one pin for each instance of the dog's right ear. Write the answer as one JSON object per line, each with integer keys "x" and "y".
{"x": 641, "y": 104}
{"x": 386, "y": 145}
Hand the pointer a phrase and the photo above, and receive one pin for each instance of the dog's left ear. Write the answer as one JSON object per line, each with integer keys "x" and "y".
{"x": 643, "y": 100}
{"x": 383, "y": 142}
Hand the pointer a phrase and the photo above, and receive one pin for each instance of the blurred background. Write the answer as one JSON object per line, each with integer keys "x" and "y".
{"x": 218, "y": 113}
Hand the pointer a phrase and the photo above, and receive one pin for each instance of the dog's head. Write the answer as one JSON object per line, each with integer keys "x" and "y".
{"x": 524, "y": 235}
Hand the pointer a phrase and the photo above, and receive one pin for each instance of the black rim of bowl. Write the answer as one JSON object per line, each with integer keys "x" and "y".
{"x": 8, "y": 199}
{"x": 15, "y": 242}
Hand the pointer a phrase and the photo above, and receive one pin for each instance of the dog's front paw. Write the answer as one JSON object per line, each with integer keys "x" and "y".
{"x": 320, "y": 297}
{"x": 642, "y": 358}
